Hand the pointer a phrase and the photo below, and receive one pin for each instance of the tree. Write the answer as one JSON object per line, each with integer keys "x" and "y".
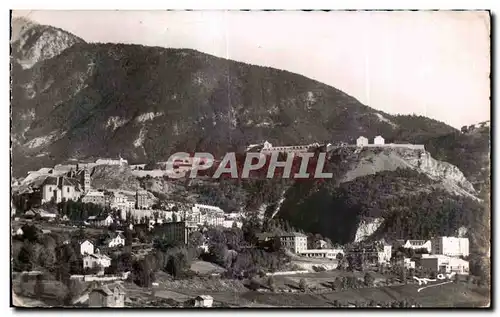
{"x": 337, "y": 284}
{"x": 271, "y": 283}
{"x": 30, "y": 233}
{"x": 39, "y": 287}
{"x": 369, "y": 279}
{"x": 195, "y": 239}
{"x": 218, "y": 254}
{"x": 303, "y": 285}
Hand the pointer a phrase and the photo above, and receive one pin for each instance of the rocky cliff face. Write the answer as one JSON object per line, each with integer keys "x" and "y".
{"x": 444, "y": 171}
{"x": 366, "y": 228}
{"x": 370, "y": 161}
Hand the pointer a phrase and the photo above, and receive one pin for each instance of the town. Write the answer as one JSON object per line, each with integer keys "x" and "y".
{"x": 95, "y": 241}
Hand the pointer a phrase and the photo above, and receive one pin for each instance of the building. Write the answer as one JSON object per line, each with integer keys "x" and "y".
{"x": 176, "y": 231}
{"x": 362, "y": 141}
{"x": 322, "y": 253}
{"x": 101, "y": 220}
{"x": 86, "y": 247}
{"x": 112, "y": 295}
{"x": 115, "y": 240}
{"x": 378, "y": 252}
{"x": 96, "y": 260}
{"x": 408, "y": 263}
{"x": 19, "y": 232}
{"x": 94, "y": 197}
{"x": 142, "y": 200}
{"x": 59, "y": 189}
{"x": 264, "y": 237}
{"x": 206, "y": 215}
{"x": 451, "y": 246}
{"x": 444, "y": 264}
{"x": 108, "y": 161}
{"x": 414, "y": 244}
{"x": 84, "y": 177}
{"x": 294, "y": 242}
{"x": 231, "y": 223}
{"x": 378, "y": 140}
{"x": 203, "y": 301}
{"x": 385, "y": 253}
{"x": 320, "y": 244}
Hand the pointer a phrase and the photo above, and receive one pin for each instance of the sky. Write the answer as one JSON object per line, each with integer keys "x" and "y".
{"x": 435, "y": 64}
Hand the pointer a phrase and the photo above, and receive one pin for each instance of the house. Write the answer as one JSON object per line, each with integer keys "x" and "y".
{"x": 444, "y": 264}
{"x": 45, "y": 231}
{"x": 111, "y": 295}
{"x": 362, "y": 141}
{"x": 101, "y": 220}
{"x": 43, "y": 214}
{"x": 19, "y": 232}
{"x": 96, "y": 261}
{"x": 451, "y": 246}
{"x": 378, "y": 140}
{"x": 414, "y": 244}
{"x": 29, "y": 214}
{"x": 203, "y": 301}
{"x": 64, "y": 218}
{"x": 86, "y": 247}
{"x": 293, "y": 242}
{"x": 408, "y": 263}
{"x": 115, "y": 241}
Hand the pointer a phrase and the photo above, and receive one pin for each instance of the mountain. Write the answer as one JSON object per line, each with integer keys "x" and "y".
{"x": 145, "y": 103}
{"x": 32, "y": 42}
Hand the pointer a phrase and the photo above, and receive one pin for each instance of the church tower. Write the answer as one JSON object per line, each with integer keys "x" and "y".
{"x": 85, "y": 179}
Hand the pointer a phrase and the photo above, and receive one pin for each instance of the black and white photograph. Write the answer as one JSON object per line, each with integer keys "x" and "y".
{"x": 201, "y": 159}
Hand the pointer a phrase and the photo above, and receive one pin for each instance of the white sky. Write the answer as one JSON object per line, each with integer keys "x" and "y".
{"x": 435, "y": 64}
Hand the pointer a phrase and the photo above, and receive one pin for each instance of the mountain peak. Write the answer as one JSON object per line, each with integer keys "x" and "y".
{"x": 32, "y": 42}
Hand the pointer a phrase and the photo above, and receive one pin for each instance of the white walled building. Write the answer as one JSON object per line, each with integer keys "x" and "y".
{"x": 230, "y": 223}
{"x": 378, "y": 140}
{"x": 444, "y": 264}
{"x": 115, "y": 240}
{"x": 415, "y": 244}
{"x": 96, "y": 260}
{"x": 408, "y": 263}
{"x": 94, "y": 197}
{"x": 385, "y": 254}
{"x": 211, "y": 215}
{"x": 86, "y": 247}
{"x": 451, "y": 246}
{"x": 362, "y": 141}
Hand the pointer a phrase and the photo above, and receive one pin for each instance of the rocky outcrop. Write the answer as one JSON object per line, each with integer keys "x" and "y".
{"x": 366, "y": 228}
{"x": 373, "y": 160}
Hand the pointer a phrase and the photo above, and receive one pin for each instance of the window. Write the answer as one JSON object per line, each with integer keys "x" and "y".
{"x": 67, "y": 189}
